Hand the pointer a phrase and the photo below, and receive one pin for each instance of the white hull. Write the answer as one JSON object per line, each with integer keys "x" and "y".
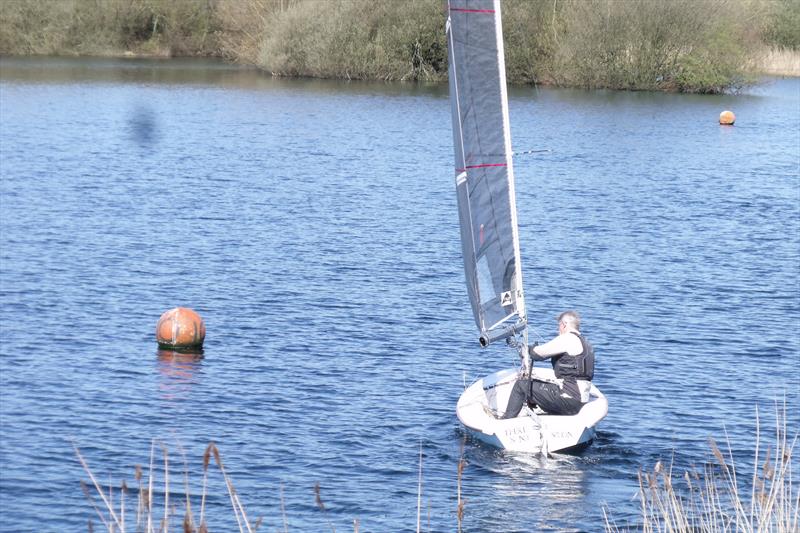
{"x": 528, "y": 432}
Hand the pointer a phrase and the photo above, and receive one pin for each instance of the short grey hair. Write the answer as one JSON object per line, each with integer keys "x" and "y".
{"x": 570, "y": 318}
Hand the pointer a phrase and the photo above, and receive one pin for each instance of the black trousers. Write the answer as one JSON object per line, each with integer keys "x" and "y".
{"x": 549, "y": 396}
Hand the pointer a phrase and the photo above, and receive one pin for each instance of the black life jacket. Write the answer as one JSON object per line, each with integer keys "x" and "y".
{"x": 574, "y": 367}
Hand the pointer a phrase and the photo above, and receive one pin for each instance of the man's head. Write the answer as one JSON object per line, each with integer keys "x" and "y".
{"x": 569, "y": 320}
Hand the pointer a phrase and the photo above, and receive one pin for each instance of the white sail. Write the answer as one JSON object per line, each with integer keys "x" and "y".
{"x": 484, "y": 171}
{"x": 490, "y": 239}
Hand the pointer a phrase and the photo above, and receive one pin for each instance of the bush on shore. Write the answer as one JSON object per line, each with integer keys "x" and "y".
{"x": 684, "y": 45}
{"x": 781, "y": 26}
{"x": 678, "y": 45}
{"x": 108, "y": 27}
{"x": 363, "y": 39}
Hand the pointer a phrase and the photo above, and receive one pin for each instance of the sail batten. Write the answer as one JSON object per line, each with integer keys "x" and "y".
{"x": 483, "y": 167}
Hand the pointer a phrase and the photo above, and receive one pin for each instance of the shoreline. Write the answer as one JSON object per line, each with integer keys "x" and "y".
{"x": 779, "y": 63}
{"x": 564, "y": 44}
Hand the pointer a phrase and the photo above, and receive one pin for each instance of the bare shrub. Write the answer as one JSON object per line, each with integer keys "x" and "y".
{"x": 686, "y": 45}
{"x": 242, "y": 26}
{"x": 108, "y": 27}
{"x": 33, "y": 27}
{"x": 357, "y": 39}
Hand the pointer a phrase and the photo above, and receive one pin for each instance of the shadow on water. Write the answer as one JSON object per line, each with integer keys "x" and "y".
{"x": 143, "y": 126}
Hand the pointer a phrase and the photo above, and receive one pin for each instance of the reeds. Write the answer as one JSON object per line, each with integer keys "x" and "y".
{"x": 148, "y": 518}
{"x": 717, "y": 498}
{"x": 779, "y": 61}
{"x": 113, "y": 517}
{"x": 462, "y": 463}
{"x": 713, "y": 500}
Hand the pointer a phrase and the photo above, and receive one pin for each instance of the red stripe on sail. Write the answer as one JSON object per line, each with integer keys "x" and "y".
{"x": 482, "y": 166}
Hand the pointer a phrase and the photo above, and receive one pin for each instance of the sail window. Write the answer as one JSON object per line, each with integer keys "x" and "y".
{"x": 485, "y": 286}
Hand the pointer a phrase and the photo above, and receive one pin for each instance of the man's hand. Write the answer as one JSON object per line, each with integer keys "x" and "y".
{"x": 535, "y": 356}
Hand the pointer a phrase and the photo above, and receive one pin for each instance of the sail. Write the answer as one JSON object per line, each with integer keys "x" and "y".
{"x": 484, "y": 171}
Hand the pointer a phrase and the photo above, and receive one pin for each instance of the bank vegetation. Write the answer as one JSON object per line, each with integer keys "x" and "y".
{"x": 705, "y": 46}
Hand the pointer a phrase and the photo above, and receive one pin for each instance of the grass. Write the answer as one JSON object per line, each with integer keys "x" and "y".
{"x": 715, "y": 500}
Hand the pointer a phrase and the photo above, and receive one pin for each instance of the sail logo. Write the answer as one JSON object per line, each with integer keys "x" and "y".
{"x": 505, "y": 298}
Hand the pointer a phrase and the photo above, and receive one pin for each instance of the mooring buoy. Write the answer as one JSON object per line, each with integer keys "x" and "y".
{"x": 727, "y": 118}
{"x": 180, "y": 327}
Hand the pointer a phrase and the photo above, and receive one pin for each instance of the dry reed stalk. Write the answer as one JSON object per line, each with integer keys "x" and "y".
{"x": 755, "y": 462}
{"x": 188, "y": 518}
{"x": 283, "y": 511}
{"x": 460, "y": 507}
{"x": 610, "y": 526}
{"x": 429, "y": 516}
{"x": 318, "y": 500}
{"x": 419, "y": 489}
{"x": 89, "y": 497}
{"x": 123, "y": 493}
{"x": 97, "y": 487}
{"x": 149, "y": 508}
{"x": 110, "y": 493}
{"x": 138, "y": 477}
{"x": 238, "y": 509}
{"x": 206, "y": 461}
{"x": 166, "y": 488}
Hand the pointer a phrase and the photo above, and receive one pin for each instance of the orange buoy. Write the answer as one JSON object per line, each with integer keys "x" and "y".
{"x": 180, "y": 328}
{"x": 727, "y": 118}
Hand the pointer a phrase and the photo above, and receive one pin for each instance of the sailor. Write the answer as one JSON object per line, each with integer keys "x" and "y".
{"x": 573, "y": 363}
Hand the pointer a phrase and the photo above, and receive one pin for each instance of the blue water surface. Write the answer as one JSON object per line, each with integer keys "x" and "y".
{"x": 313, "y": 225}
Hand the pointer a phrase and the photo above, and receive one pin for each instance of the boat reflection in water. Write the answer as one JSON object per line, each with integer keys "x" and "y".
{"x": 179, "y": 371}
{"x": 560, "y": 483}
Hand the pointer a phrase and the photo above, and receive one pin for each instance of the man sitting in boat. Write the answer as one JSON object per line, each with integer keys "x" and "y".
{"x": 573, "y": 364}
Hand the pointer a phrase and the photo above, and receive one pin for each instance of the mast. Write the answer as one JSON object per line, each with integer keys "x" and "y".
{"x": 484, "y": 169}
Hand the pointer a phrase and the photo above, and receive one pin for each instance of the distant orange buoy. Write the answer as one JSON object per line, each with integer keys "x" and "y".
{"x": 727, "y": 118}
{"x": 180, "y": 328}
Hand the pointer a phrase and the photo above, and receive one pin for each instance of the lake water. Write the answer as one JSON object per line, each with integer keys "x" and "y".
{"x": 313, "y": 225}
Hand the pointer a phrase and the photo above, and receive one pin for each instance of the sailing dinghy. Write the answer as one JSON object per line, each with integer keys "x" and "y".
{"x": 490, "y": 239}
